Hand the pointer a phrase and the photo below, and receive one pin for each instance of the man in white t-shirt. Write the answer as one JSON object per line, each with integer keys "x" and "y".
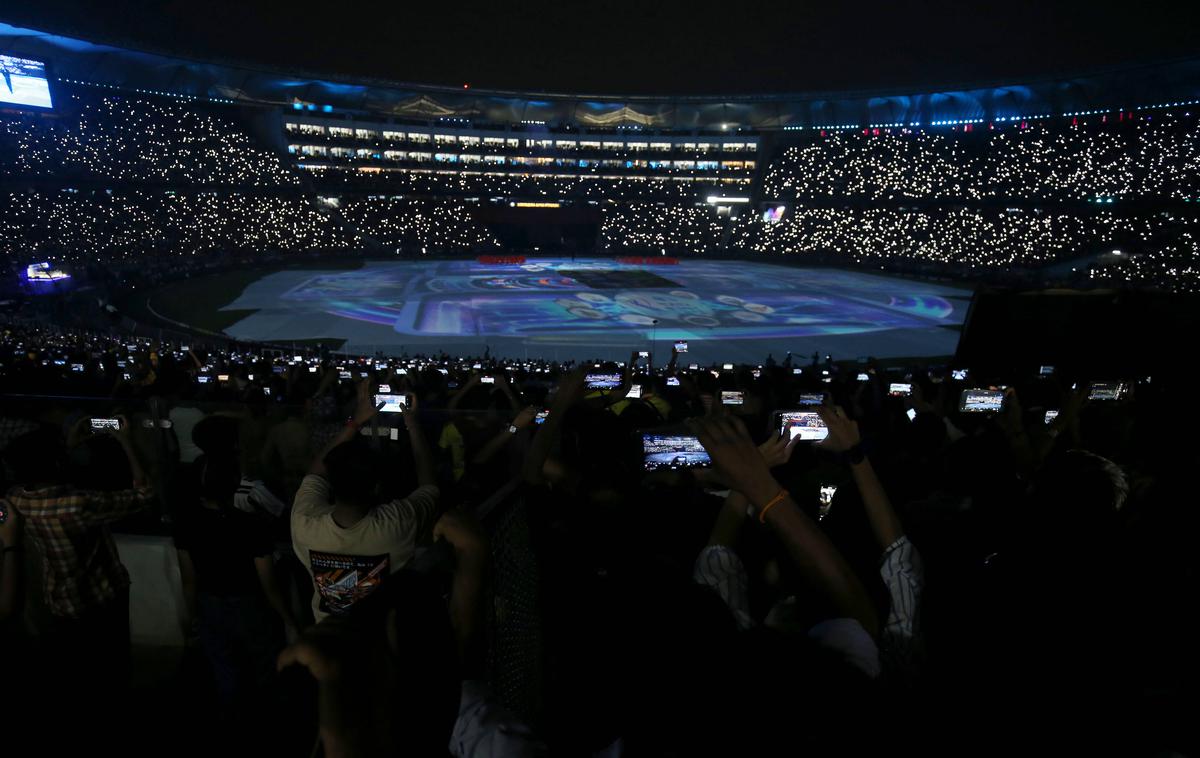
{"x": 347, "y": 539}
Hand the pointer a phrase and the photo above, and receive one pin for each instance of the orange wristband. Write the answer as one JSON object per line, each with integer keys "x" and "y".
{"x": 762, "y": 514}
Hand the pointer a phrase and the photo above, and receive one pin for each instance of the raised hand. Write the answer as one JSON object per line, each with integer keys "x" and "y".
{"x": 777, "y": 450}
{"x": 525, "y": 417}
{"x": 735, "y": 457}
{"x": 843, "y": 431}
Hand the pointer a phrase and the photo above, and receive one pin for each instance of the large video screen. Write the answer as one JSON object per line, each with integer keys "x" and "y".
{"x": 24, "y": 82}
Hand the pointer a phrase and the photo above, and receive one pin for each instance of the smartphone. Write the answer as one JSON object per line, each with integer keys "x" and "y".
{"x": 681, "y": 347}
{"x": 981, "y": 401}
{"x": 727, "y": 366}
{"x": 900, "y": 389}
{"x": 811, "y": 398}
{"x": 958, "y": 374}
{"x": 341, "y": 375}
{"x": 1107, "y": 390}
{"x": 391, "y": 403}
{"x": 693, "y": 366}
{"x": 603, "y": 381}
{"x": 385, "y": 389}
{"x": 77, "y": 368}
{"x": 756, "y": 373}
{"x": 635, "y": 391}
{"x": 541, "y": 417}
{"x": 204, "y": 379}
{"x": 277, "y": 369}
{"x": 807, "y": 426}
{"x": 672, "y": 381}
{"x": 862, "y": 378}
{"x": 911, "y": 413}
{"x": 732, "y": 398}
{"x": 222, "y": 377}
{"x": 1045, "y": 370}
{"x": 643, "y": 354}
{"x": 827, "y": 493}
{"x": 487, "y": 380}
{"x": 267, "y": 391}
{"x": 312, "y": 369}
{"x": 105, "y": 424}
{"x": 1050, "y": 416}
{"x": 673, "y": 452}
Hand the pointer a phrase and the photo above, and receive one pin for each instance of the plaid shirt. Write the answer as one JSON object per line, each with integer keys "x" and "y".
{"x": 82, "y": 569}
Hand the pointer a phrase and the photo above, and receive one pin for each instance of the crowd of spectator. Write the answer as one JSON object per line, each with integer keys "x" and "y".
{"x": 411, "y": 223}
{"x": 656, "y": 226}
{"x": 1147, "y": 154}
{"x": 347, "y": 560}
{"x": 121, "y": 138}
{"x": 972, "y": 238}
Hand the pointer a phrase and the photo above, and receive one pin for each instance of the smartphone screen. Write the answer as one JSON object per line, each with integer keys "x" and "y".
{"x": 958, "y": 374}
{"x": 862, "y": 378}
{"x": 541, "y": 417}
{"x": 384, "y": 389}
{"x": 827, "y": 493}
{"x": 899, "y": 389}
{"x": 222, "y": 377}
{"x": 106, "y": 424}
{"x": 1045, "y": 370}
{"x": 204, "y": 379}
{"x": 341, "y": 375}
{"x": 806, "y": 426}
{"x": 681, "y": 347}
{"x": 981, "y": 401}
{"x": 727, "y": 366}
{"x": 673, "y": 451}
{"x": 635, "y": 391}
{"x": 603, "y": 381}
{"x": 811, "y": 398}
{"x": 487, "y": 380}
{"x": 643, "y": 354}
{"x": 1050, "y": 416}
{"x": 1107, "y": 390}
{"x": 732, "y": 398}
{"x": 672, "y": 381}
{"x": 911, "y": 413}
{"x": 391, "y": 403}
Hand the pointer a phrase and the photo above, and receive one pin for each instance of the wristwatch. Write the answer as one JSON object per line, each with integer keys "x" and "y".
{"x": 855, "y": 455}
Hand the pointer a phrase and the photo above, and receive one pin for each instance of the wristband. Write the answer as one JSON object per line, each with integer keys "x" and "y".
{"x": 762, "y": 514}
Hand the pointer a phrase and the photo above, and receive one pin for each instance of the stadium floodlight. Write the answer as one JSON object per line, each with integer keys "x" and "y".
{"x": 719, "y": 200}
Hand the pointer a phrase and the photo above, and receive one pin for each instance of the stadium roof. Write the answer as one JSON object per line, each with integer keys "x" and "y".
{"x": 1129, "y": 87}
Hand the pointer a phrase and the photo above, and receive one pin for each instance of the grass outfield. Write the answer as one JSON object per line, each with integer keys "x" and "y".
{"x": 198, "y": 302}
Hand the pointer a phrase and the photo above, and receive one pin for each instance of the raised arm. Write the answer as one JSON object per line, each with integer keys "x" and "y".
{"x": 364, "y": 411}
{"x": 820, "y": 564}
{"x": 422, "y": 458}
{"x": 569, "y": 390}
{"x": 844, "y": 439}
{"x": 463, "y": 534}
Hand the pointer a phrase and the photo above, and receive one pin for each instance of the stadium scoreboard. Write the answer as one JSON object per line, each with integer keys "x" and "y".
{"x": 24, "y": 82}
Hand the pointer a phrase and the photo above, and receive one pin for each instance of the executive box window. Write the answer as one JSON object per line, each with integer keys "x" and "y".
{"x": 366, "y": 134}
{"x": 565, "y": 144}
{"x": 614, "y": 145}
{"x": 445, "y": 139}
{"x": 394, "y": 155}
{"x": 311, "y": 129}
{"x": 638, "y": 147}
{"x": 340, "y": 131}
{"x": 419, "y": 138}
{"x": 662, "y": 147}
{"x": 394, "y": 136}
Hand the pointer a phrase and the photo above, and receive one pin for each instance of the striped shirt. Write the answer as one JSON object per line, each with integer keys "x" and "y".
{"x": 903, "y": 574}
{"x": 81, "y": 568}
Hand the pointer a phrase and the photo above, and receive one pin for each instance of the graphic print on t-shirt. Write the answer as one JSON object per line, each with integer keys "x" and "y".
{"x": 343, "y": 580}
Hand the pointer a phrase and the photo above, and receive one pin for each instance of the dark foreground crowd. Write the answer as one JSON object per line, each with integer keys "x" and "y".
{"x": 923, "y": 578}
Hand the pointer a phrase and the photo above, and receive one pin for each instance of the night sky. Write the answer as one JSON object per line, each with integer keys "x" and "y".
{"x": 646, "y": 47}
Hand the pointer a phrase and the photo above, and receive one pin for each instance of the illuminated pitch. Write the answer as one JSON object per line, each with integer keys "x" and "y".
{"x": 729, "y": 310}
